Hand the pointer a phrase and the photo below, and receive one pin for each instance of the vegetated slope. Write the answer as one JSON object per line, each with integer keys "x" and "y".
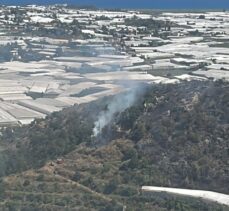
{"x": 176, "y": 136}
{"x": 183, "y": 134}
{"x": 31, "y": 146}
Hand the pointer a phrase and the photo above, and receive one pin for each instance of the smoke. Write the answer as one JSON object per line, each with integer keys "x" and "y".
{"x": 118, "y": 104}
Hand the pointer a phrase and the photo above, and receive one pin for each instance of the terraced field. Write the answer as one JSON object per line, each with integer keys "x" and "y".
{"x": 45, "y": 189}
{"x": 82, "y": 180}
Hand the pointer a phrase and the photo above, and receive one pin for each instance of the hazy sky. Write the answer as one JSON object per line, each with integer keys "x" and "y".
{"x": 163, "y": 4}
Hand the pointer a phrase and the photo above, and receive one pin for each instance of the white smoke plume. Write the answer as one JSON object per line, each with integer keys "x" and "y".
{"x": 118, "y": 104}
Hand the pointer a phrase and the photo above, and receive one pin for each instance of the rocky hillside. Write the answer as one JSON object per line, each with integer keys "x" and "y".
{"x": 175, "y": 135}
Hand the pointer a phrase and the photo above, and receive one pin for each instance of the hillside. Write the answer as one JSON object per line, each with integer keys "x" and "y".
{"x": 174, "y": 135}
